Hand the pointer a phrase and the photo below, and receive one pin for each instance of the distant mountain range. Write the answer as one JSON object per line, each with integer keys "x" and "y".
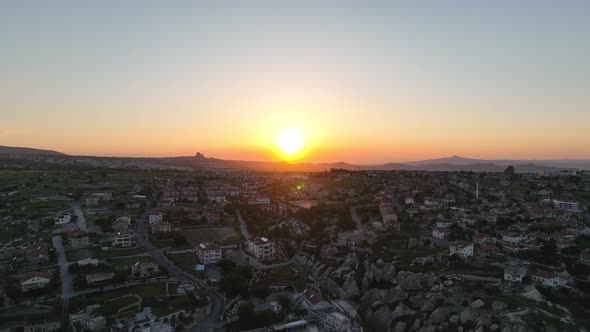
{"x": 199, "y": 161}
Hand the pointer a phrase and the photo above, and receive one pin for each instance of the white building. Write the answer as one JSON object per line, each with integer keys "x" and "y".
{"x": 155, "y": 217}
{"x": 209, "y": 253}
{"x": 99, "y": 277}
{"x": 63, "y": 219}
{"x": 262, "y": 248}
{"x": 338, "y": 322}
{"x": 549, "y": 279}
{"x": 514, "y": 238}
{"x": 123, "y": 240}
{"x": 514, "y": 274}
{"x": 563, "y": 205}
{"x": 441, "y": 233}
{"x": 461, "y": 248}
{"x": 35, "y": 280}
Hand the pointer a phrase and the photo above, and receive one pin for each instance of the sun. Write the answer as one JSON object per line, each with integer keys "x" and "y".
{"x": 291, "y": 142}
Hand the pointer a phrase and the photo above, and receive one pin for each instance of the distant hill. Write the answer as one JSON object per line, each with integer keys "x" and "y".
{"x": 28, "y": 151}
{"x": 199, "y": 161}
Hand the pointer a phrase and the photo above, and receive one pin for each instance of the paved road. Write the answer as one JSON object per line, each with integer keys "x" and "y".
{"x": 81, "y": 220}
{"x": 217, "y": 300}
{"x": 64, "y": 272}
{"x": 243, "y": 226}
{"x": 67, "y": 290}
{"x": 356, "y": 218}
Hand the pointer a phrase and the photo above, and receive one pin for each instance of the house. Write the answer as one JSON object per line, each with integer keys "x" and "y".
{"x": 209, "y": 253}
{"x": 443, "y": 223}
{"x": 260, "y": 201}
{"x": 262, "y": 248}
{"x": 35, "y": 280}
{"x": 486, "y": 250}
{"x": 563, "y": 205}
{"x": 121, "y": 224}
{"x": 155, "y": 217}
{"x": 144, "y": 269}
{"x": 483, "y": 239}
{"x": 548, "y": 279}
{"x": 409, "y": 200}
{"x": 63, "y": 219}
{"x": 88, "y": 320}
{"x": 441, "y": 233}
{"x": 93, "y": 279}
{"x": 313, "y": 300}
{"x": 91, "y": 201}
{"x": 585, "y": 257}
{"x": 123, "y": 239}
{"x": 462, "y": 248}
{"x": 78, "y": 238}
{"x": 513, "y": 274}
{"x": 161, "y": 227}
{"x": 338, "y": 322}
{"x": 37, "y": 253}
{"x": 514, "y": 238}
{"x": 212, "y": 217}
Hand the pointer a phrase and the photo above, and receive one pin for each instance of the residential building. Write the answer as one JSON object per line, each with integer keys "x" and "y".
{"x": 121, "y": 224}
{"x": 63, "y": 219}
{"x": 585, "y": 257}
{"x": 93, "y": 279}
{"x": 35, "y": 280}
{"x": 144, "y": 269}
{"x": 208, "y": 253}
{"x": 462, "y": 248}
{"x": 312, "y": 300}
{"x": 549, "y": 279}
{"x": 338, "y": 322}
{"x": 514, "y": 274}
{"x": 37, "y": 253}
{"x": 563, "y": 205}
{"x": 486, "y": 250}
{"x": 441, "y": 233}
{"x": 262, "y": 248}
{"x": 155, "y": 217}
{"x": 123, "y": 239}
{"x": 91, "y": 201}
{"x": 514, "y": 238}
{"x": 78, "y": 238}
{"x": 161, "y": 227}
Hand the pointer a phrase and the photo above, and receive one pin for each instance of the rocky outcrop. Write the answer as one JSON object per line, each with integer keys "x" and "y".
{"x": 439, "y": 315}
{"x": 408, "y": 281}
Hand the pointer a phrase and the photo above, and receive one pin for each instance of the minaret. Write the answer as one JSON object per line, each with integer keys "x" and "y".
{"x": 477, "y": 190}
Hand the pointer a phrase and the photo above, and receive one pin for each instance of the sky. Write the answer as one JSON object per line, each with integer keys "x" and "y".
{"x": 363, "y": 81}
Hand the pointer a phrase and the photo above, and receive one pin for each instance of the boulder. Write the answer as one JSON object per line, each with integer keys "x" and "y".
{"x": 439, "y": 315}
{"x": 397, "y": 294}
{"x": 494, "y": 327}
{"x": 408, "y": 281}
{"x": 399, "y": 327}
{"x": 349, "y": 289}
{"x": 427, "y": 307}
{"x": 467, "y": 315}
{"x": 381, "y": 319}
{"x": 497, "y": 305}
{"x": 416, "y": 325}
{"x": 388, "y": 272}
{"x": 454, "y": 319}
{"x": 477, "y": 304}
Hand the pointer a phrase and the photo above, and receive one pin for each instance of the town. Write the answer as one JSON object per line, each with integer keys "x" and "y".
{"x": 127, "y": 250}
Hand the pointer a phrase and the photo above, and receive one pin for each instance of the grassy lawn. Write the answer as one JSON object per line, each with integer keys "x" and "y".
{"x": 153, "y": 295}
{"x": 290, "y": 275}
{"x": 187, "y": 262}
{"x": 83, "y": 253}
{"x": 119, "y": 262}
{"x": 121, "y": 252}
{"x": 212, "y": 234}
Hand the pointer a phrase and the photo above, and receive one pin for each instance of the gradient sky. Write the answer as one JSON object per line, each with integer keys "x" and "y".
{"x": 365, "y": 81}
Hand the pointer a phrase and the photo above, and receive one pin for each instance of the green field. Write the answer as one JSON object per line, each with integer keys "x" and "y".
{"x": 153, "y": 295}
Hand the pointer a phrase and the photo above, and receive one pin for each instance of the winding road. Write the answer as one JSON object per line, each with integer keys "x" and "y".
{"x": 216, "y": 299}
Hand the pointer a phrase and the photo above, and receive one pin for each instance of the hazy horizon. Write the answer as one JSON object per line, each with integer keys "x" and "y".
{"x": 364, "y": 83}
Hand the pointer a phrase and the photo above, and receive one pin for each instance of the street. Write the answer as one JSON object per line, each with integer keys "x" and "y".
{"x": 217, "y": 300}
